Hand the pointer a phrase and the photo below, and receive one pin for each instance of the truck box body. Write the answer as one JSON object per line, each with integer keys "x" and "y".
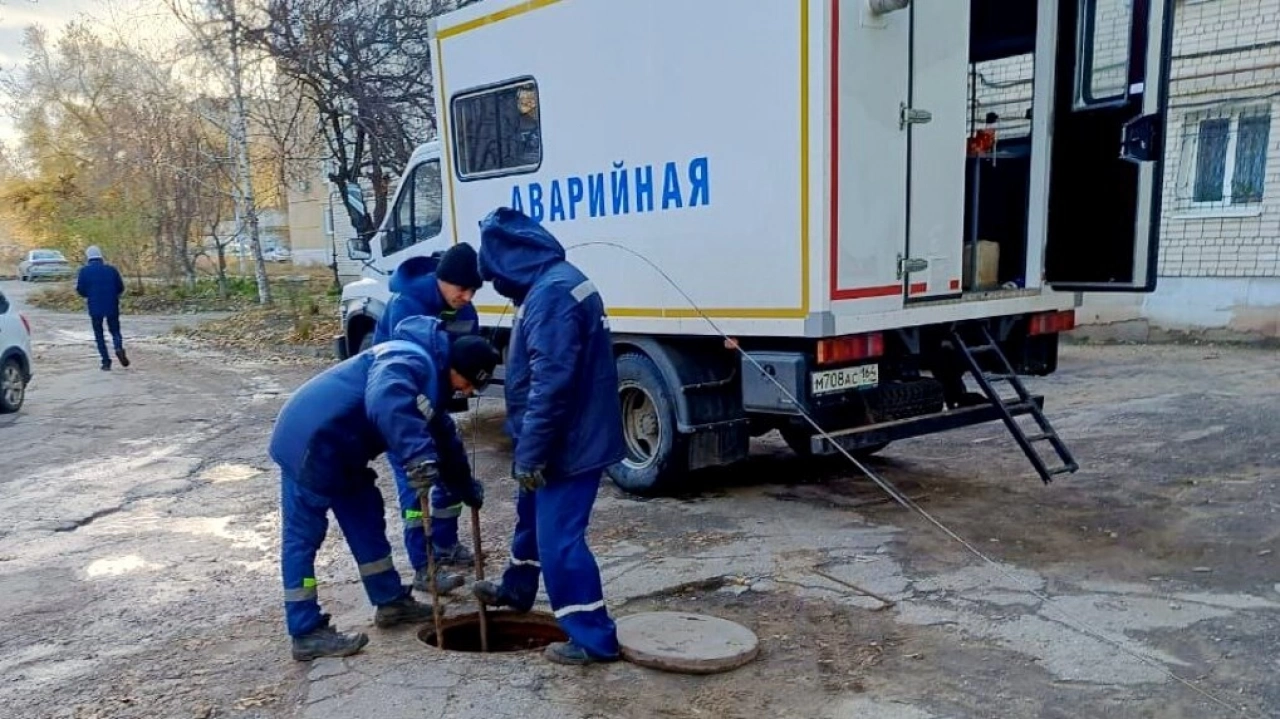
{"x": 811, "y": 177}
{"x": 755, "y": 152}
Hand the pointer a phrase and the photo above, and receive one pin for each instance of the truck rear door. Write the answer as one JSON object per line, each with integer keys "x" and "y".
{"x": 1109, "y": 112}
{"x": 870, "y": 76}
{"x": 937, "y": 106}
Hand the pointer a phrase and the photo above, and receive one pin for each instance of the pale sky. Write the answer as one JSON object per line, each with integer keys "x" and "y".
{"x": 53, "y": 15}
{"x": 16, "y": 15}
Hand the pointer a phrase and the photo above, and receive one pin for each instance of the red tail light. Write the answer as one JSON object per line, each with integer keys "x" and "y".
{"x": 851, "y": 348}
{"x": 25, "y": 323}
{"x": 1051, "y": 323}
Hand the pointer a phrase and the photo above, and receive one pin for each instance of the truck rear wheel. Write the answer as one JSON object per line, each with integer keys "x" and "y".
{"x": 656, "y": 452}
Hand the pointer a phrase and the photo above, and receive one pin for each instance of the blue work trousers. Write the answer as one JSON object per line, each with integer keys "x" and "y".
{"x": 551, "y": 540}
{"x": 304, "y": 523}
{"x": 113, "y": 326}
{"x": 445, "y": 508}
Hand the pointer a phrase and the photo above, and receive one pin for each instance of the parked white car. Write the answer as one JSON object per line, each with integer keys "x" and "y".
{"x": 276, "y": 254}
{"x": 15, "y": 357}
{"x": 45, "y": 264}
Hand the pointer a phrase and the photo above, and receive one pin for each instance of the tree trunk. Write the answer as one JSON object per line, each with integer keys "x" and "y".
{"x": 221, "y": 249}
{"x": 240, "y": 132}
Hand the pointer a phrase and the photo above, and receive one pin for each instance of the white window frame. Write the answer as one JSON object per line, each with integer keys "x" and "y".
{"x": 1189, "y": 160}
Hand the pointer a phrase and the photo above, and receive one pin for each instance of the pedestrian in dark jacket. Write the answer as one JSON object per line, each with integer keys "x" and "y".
{"x": 443, "y": 288}
{"x": 563, "y": 414}
{"x": 101, "y": 286}
{"x": 388, "y": 397}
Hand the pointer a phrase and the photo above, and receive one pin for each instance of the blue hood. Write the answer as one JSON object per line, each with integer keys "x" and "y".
{"x": 514, "y": 251}
{"x": 428, "y": 333}
{"x": 414, "y": 277}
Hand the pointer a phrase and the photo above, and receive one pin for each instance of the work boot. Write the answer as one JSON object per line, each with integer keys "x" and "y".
{"x": 495, "y": 595}
{"x": 445, "y": 581}
{"x": 570, "y": 653}
{"x": 106, "y": 366}
{"x": 124, "y": 358}
{"x": 326, "y": 641}
{"x": 405, "y": 610}
{"x": 455, "y": 556}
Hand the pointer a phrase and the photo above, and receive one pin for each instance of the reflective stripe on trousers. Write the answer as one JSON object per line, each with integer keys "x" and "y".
{"x": 444, "y": 530}
{"x": 304, "y": 524}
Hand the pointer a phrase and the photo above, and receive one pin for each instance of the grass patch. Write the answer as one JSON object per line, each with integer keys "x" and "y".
{"x": 305, "y": 315}
{"x": 157, "y": 298}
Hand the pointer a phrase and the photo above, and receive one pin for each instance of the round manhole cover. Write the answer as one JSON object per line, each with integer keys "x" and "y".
{"x": 686, "y": 643}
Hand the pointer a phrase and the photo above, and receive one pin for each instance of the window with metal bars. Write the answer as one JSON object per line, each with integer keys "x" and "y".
{"x": 1224, "y": 159}
{"x": 497, "y": 130}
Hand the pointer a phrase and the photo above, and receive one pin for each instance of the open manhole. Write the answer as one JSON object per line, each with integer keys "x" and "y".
{"x": 508, "y": 632}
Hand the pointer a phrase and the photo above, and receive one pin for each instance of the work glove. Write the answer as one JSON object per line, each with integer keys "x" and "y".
{"x": 472, "y": 493}
{"x": 421, "y": 476}
{"x": 530, "y": 479}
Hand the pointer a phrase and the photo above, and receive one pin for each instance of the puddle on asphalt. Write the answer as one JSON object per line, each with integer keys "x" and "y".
{"x": 224, "y": 473}
{"x": 115, "y": 566}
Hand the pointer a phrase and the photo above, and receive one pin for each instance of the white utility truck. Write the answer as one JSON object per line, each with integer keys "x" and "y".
{"x": 866, "y": 194}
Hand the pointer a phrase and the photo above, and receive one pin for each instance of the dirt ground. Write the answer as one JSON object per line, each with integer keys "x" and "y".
{"x": 139, "y": 550}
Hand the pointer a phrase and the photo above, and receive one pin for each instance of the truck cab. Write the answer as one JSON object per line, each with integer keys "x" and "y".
{"x": 416, "y": 225}
{"x": 941, "y": 182}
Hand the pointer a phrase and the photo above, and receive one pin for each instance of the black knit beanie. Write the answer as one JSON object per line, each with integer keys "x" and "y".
{"x": 460, "y": 266}
{"x": 474, "y": 358}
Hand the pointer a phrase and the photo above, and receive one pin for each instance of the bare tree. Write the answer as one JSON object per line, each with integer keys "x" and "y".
{"x": 220, "y": 28}
{"x": 365, "y": 68}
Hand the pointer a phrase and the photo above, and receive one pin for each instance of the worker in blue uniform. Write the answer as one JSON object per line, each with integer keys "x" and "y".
{"x": 443, "y": 288}
{"x": 324, "y": 439}
{"x": 564, "y": 417}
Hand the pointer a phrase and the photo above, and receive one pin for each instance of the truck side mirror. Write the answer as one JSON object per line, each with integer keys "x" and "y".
{"x": 358, "y": 249}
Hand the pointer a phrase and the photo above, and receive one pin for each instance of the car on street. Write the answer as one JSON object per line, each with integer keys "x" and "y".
{"x": 44, "y": 264}
{"x": 15, "y": 356}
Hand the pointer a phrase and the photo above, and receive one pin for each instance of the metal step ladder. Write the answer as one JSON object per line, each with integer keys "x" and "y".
{"x": 984, "y": 346}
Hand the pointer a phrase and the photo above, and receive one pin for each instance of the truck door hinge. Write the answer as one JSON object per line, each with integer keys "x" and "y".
{"x": 912, "y": 116}
{"x": 907, "y": 265}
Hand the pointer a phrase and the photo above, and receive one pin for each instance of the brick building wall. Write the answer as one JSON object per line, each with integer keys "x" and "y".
{"x": 1219, "y": 257}
{"x": 1222, "y": 175}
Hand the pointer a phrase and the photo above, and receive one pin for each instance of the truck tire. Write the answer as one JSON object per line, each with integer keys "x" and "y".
{"x": 657, "y": 454}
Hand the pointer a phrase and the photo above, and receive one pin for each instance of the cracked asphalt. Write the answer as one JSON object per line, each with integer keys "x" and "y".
{"x": 139, "y": 546}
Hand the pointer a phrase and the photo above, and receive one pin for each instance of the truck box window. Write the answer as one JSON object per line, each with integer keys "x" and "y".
{"x": 1103, "y": 75}
{"x": 497, "y": 130}
{"x": 419, "y": 211}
